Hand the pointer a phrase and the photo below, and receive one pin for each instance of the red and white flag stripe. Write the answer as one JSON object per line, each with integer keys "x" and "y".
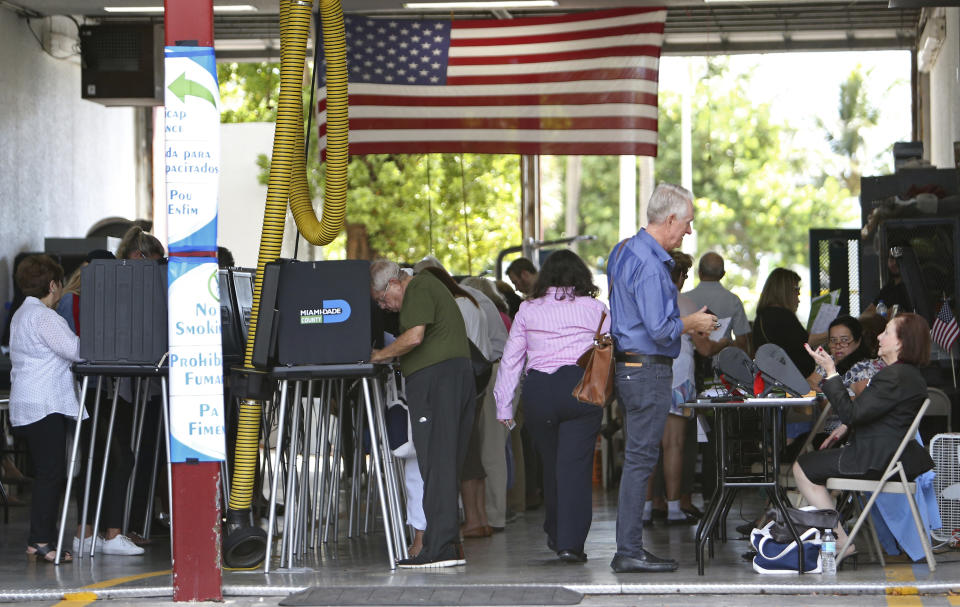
{"x": 584, "y": 83}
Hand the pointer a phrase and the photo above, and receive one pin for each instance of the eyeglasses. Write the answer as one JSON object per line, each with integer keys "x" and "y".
{"x": 381, "y": 299}
{"x": 841, "y": 341}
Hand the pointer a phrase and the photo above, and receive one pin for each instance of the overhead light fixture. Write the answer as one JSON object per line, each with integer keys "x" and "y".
{"x": 482, "y": 5}
{"x": 217, "y": 8}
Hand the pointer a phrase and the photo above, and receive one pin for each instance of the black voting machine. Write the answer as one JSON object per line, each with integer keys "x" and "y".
{"x": 316, "y": 327}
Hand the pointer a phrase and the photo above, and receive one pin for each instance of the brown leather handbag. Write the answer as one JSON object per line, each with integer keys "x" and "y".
{"x": 596, "y": 387}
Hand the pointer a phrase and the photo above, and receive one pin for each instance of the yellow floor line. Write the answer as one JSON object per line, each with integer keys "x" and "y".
{"x": 79, "y": 599}
{"x": 904, "y": 593}
{"x": 953, "y": 599}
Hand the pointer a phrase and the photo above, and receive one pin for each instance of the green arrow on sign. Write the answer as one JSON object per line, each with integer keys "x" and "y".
{"x": 181, "y": 87}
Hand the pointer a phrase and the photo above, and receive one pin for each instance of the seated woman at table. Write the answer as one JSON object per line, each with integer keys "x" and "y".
{"x": 877, "y": 422}
{"x": 855, "y": 364}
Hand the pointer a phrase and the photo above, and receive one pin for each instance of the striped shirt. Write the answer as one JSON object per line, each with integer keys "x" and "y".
{"x": 549, "y": 332}
{"x": 42, "y": 348}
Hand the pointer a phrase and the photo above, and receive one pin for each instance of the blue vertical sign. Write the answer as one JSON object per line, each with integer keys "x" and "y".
{"x": 192, "y": 161}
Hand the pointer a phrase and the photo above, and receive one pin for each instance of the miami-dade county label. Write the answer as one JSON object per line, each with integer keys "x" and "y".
{"x": 197, "y": 429}
{"x": 193, "y": 302}
{"x": 191, "y": 148}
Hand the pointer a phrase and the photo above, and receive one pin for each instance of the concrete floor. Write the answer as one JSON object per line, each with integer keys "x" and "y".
{"x": 518, "y": 556}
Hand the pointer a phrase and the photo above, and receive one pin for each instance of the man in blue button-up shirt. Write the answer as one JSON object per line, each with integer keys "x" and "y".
{"x": 646, "y": 326}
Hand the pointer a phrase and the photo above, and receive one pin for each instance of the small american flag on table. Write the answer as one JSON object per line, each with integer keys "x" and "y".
{"x": 945, "y": 329}
{"x": 584, "y": 83}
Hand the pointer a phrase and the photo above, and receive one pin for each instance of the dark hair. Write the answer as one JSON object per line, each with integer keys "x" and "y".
{"x": 856, "y": 331}
{"x": 564, "y": 268}
{"x": 681, "y": 264}
{"x": 914, "y": 334}
{"x": 225, "y": 258}
{"x": 137, "y": 240}
{"x": 711, "y": 266}
{"x": 521, "y": 264}
{"x": 34, "y": 274}
{"x": 778, "y": 289}
{"x": 450, "y": 283}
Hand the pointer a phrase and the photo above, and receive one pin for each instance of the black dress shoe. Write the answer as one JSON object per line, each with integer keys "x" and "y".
{"x": 572, "y": 556}
{"x": 645, "y": 562}
{"x": 693, "y": 511}
{"x": 658, "y": 513}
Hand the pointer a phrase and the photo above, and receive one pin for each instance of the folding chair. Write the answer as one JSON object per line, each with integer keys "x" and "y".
{"x": 940, "y": 405}
{"x": 894, "y": 480}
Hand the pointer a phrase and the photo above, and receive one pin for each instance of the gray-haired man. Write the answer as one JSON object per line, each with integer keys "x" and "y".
{"x": 646, "y": 326}
{"x": 435, "y": 359}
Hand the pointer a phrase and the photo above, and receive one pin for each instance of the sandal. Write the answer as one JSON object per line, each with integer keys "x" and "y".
{"x": 47, "y": 554}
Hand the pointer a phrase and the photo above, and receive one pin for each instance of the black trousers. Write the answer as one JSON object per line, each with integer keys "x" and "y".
{"x": 565, "y": 433}
{"x": 47, "y": 441}
{"x": 441, "y": 399}
{"x": 145, "y": 462}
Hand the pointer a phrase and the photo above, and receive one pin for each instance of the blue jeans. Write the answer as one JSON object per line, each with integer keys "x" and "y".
{"x": 645, "y": 397}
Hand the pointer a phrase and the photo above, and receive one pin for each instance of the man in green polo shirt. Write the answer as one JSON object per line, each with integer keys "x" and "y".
{"x": 441, "y": 392}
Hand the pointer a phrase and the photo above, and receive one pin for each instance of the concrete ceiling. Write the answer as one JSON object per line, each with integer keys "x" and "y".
{"x": 693, "y": 26}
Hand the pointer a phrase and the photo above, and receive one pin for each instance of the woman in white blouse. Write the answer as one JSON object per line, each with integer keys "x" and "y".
{"x": 43, "y": 399}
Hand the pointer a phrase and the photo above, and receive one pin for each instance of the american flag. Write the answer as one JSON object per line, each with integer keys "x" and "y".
{"x": 584, "y": 83}
{"x": 945, "y": 329}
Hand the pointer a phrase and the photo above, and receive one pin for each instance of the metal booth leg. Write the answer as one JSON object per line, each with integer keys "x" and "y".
{"x": 103, "y": 472}
{"x": 73, "y": 466}
{"x": 136, "y": 439}
{"x": 368, "y": 388}
{"x": 89, "y": 475}
{"x": 290, "y": 494}
{"x": 276, "y": 475}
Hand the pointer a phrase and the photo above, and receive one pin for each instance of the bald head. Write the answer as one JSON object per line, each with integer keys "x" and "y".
{"x": 711, "y": 267}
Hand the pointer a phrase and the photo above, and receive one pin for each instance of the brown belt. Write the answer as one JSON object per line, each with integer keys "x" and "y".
{"x": 647, "y": 359}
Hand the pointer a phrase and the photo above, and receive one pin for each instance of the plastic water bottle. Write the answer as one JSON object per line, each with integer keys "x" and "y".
{"x": 828, "y": 553}
{"x": 882, "y": 308}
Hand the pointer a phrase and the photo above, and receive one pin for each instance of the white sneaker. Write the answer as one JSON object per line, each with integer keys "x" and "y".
{"x": 86, "y": 545}
{"x": 121, "y": 545}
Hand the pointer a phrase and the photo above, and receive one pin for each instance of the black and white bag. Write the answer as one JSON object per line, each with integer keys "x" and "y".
{"x": 399, "y": 429}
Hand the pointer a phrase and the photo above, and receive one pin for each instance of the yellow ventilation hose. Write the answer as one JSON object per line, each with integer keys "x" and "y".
{"x": 245, "y": 544}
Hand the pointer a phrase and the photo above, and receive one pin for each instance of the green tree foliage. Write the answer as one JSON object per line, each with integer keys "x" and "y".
{"x": 407, "y": 206}
{"x": 855, "y": 114}
{"x": 249, "y": 91}
{"x": 599, "y": 205}
{"x": 755, "y": 199}
{"x": 413, "y": 205}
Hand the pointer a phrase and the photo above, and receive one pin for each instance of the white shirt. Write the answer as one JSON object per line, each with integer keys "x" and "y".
{"x": 476, "y": 325}
{"x": 42, "y": 348}
{"x": 683, "y": 364}
{"x": 495, "y": 327}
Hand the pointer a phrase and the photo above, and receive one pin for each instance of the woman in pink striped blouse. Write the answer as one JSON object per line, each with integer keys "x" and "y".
{"x": 550, "y": 332}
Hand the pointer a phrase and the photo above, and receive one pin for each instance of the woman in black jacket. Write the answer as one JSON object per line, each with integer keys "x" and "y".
{"x": 877, "y": 420}
{"x": 777, "y": 322}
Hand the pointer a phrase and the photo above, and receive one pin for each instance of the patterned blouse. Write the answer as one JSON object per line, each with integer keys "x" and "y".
{"x": 861, "y": 370}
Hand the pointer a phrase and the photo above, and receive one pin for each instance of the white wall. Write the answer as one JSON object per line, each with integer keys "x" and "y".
{"x": 65, "y": 163}
{"x": 243, "y": 198}
{"x": 945, "y": 96}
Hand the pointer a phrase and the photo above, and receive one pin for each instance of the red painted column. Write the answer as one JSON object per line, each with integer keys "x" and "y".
{"x": 196, "y": 507}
